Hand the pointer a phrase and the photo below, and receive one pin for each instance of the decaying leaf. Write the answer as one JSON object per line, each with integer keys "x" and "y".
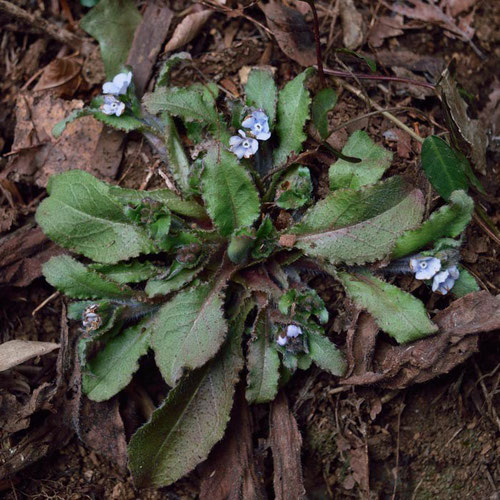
{"x": 352, "y": 25}
{"x": 456, "y": 7}
{"x": 15, "y": 352}
{"x": 292, "y": 33}
{"x": 385, "y": 27}
{"x": 62, "y": 75}
{"x": 189, "y": 27}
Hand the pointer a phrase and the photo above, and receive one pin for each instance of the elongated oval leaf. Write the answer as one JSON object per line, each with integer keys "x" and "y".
{"x": 263, "y": 362}
{"x": 449, "y": 221}
{"x": 230, "y": 196}
{"x": 75, "y": 280}
{"x": 261, "y": 92}
{"x": 156, "y": 287}
{"x": 323, "y": 102}
{"x": 398, "y": 313}
{"x": 326, "y": 355}
{"x": 443, "y": 167}
{"x": 127, "y": 272}
{"x": 112, "y": 368}
{"x": 183, "y": 430}
{"x": 188, "y": 331}
{"x": 355, "y": 227}
{"x": 82, "y": 216}
{"x": 293, "y": 112}
{"x": 375, "y": 160}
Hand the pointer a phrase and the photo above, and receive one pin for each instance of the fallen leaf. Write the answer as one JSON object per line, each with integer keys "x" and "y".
{"x": 416, "y": 91}
{"x": 62, "y": 75}
{"x": 189, "y": 27}
{"x": 292, "y": 33}
{"x": 412, "y": 61}
{"x": 402, "y": 140}
{"x": 455, "y": 7}
{"x": 385, "y": 27}
{"x": 352, "y": 25}
{"x": 15, "y": 352}
{"x": 359, "y": 464}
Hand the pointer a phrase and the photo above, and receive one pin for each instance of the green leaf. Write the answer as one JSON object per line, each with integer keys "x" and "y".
{"x": 127, "y": 272}
{"x": 194, "y": 103}
{"x": 163, "y": 79}
{"x": 323, "y": 102}
{"x": 59, "y": 127}
{"x": 295, "y": 189}
{"x": 193, "y": 417}
{"x": 77, "y": 281}
{"x": 112, "y": 368}
{"x": 399, "y": 314}
{"x": 359, "y": 226}
{"x": 113, "y": 23}
{"x": 368, "y": 60}
{"x": 292, "y": 112}
{"x": 230, "y": 196}
{"x": 188, "y": 331}
{"x": 375, "y": 160}
{"x": 125, "y": 122}
{"x": 261, "y": 92}
{"x": 449, "y": 221}
{"x": 81, "y": 215}
{"x": 173, "y": 202}
{"x": 165, "y": 286}
{"x": 443, "y": 167}
{"x": 326, "y": 355}
{"x": 262, "y": 361}
{"x": 466, "y": 283}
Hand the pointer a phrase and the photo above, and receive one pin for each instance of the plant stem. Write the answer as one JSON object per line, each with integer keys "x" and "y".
{"x": 318, "y": 43}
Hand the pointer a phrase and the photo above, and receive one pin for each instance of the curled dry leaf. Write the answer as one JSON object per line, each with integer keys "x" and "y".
{"x": 385, "y": 27}
{"x": 352, "y": 25}
{"x": 15, "y": 352}
{"x": 61, "y": 75}
{"x": 292, "y": 33}
{"x": 189, "y": 27}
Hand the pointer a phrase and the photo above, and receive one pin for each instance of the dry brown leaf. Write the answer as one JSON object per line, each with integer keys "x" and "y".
{"x": 402, "y": 140}
{"x": 292, "y": 33}
{"x": 385, "y": 27}
{"x": 15, "y": 352}
{"x": 455, "y": 7}
{"x": 189, "y": 27}
{"x": 352, "y": 25}
{"x": 61, "y": 75}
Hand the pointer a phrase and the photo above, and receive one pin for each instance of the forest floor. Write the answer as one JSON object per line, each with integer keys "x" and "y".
{"x": 439, "y": 439}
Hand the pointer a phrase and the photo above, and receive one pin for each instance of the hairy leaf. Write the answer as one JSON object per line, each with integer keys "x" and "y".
{"x": 193, "y": 417}
{"x": 359, "y": 226}
{"x": 443, "y": 167}
{"x": 292, "y": 113}
{"x": 466, "y": 283}
{"x": 398, "y": 313}
{"x": 375, "y": 161}
{"x": 188, "y": 331}
{"x": 77, "y": 281}
{"x": 156, "y": 287}
{"x": 125, "y": 122}
{"x": 323, "y": 102}
{"x": 112, "y": 368}
{"x": 326, "y": 355}
{"x": 163, "y": 79}
{"x": 230, "y": 196}
{"x": 262, "y": 361}
{"x": 127, "y": 272}
{"x": 449, "y": 221}
{"x": 81, "y": 215}
{"x": 261, "y": 92}
{"x": 59, "y": 127}
{"x": 113, "y": 23}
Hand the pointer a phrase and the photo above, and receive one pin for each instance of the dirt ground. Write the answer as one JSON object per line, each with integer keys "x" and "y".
{"x": 439, "y": 439}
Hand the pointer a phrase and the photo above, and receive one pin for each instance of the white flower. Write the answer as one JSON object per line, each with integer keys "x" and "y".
{"x": 243, "y": 146}
{"x": 112, "y": 106}
{"x": 293, "y": 331}
{"x": 282, "y": 341}
{"x": 425, "y": 267}
{"x": 443, "y": 282}
{"x": 119, "y": 85}
{"x": 90, "y": 319}
{"x": 258, "y": 123}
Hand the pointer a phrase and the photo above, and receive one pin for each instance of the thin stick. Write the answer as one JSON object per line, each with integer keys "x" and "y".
{"x": 45, "y": 302}
{"x": 322, "y": 78}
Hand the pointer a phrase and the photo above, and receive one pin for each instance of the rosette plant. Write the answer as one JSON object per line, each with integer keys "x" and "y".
{"x": 213, "y": 279}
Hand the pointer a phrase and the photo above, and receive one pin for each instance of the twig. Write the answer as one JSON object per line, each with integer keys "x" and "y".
{"x": 491, "y": 408}
{"x": 396, "y": 473}
{"x": 60, "y": 34}
{"x": 322, "y": 78}
{"x": 45, "y": 302}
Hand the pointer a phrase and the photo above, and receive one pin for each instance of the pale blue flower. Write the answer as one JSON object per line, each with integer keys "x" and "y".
{"x": 282, "y": 340}
{"x": 258, "y": 123}
{"x": 443, "y": 282}
{"x": 293, "y": 331}
{"x": 119, "y": 85}
{"x": 112, "y": 106}
{"x": 425, "y": 267}
{"x": 243, "y": 146}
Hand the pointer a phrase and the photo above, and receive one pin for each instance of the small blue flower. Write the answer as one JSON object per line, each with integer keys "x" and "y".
{"x": 282, "y": 339}
{"x": 258, "y": 123}
{"x": 425, "y": 267}
{"x": 443, "y": 282}
{"x": 119, "y": 85}
{"x": 243, "y": 146}
{"x": 293, "y": 331}
{"x": 112, "y": 106}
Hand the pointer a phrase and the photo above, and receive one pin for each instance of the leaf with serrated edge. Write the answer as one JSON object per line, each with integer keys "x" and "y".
{"x": 75, "y": 280}
{"x": 326, "y": 355}
{"x": 466, "y": 283}
{"x": 59, "y": 127}
{"x": 230, "y": 196}
{"x": 292, "y": 114}
{"x": 183, "y": 430}
{"x": 261, "y": 92}
{"x": 156, "y": 287}
{"x": 375, "y": 160}
{"x": 127, "y": 272}
{"x": 323, "y": 102}
{"x": 399, "y": 314}
{"x": 355, "y": 227}
{"x": 449, "y": 221}
{"x": 188, "y": 331}
{"x": 263, "y": 362}
{"x": 81, "y": 215}
{"x": 125, "y": 122}
{"x": 178, "y": 163}
{"x": 112, "y": 368}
